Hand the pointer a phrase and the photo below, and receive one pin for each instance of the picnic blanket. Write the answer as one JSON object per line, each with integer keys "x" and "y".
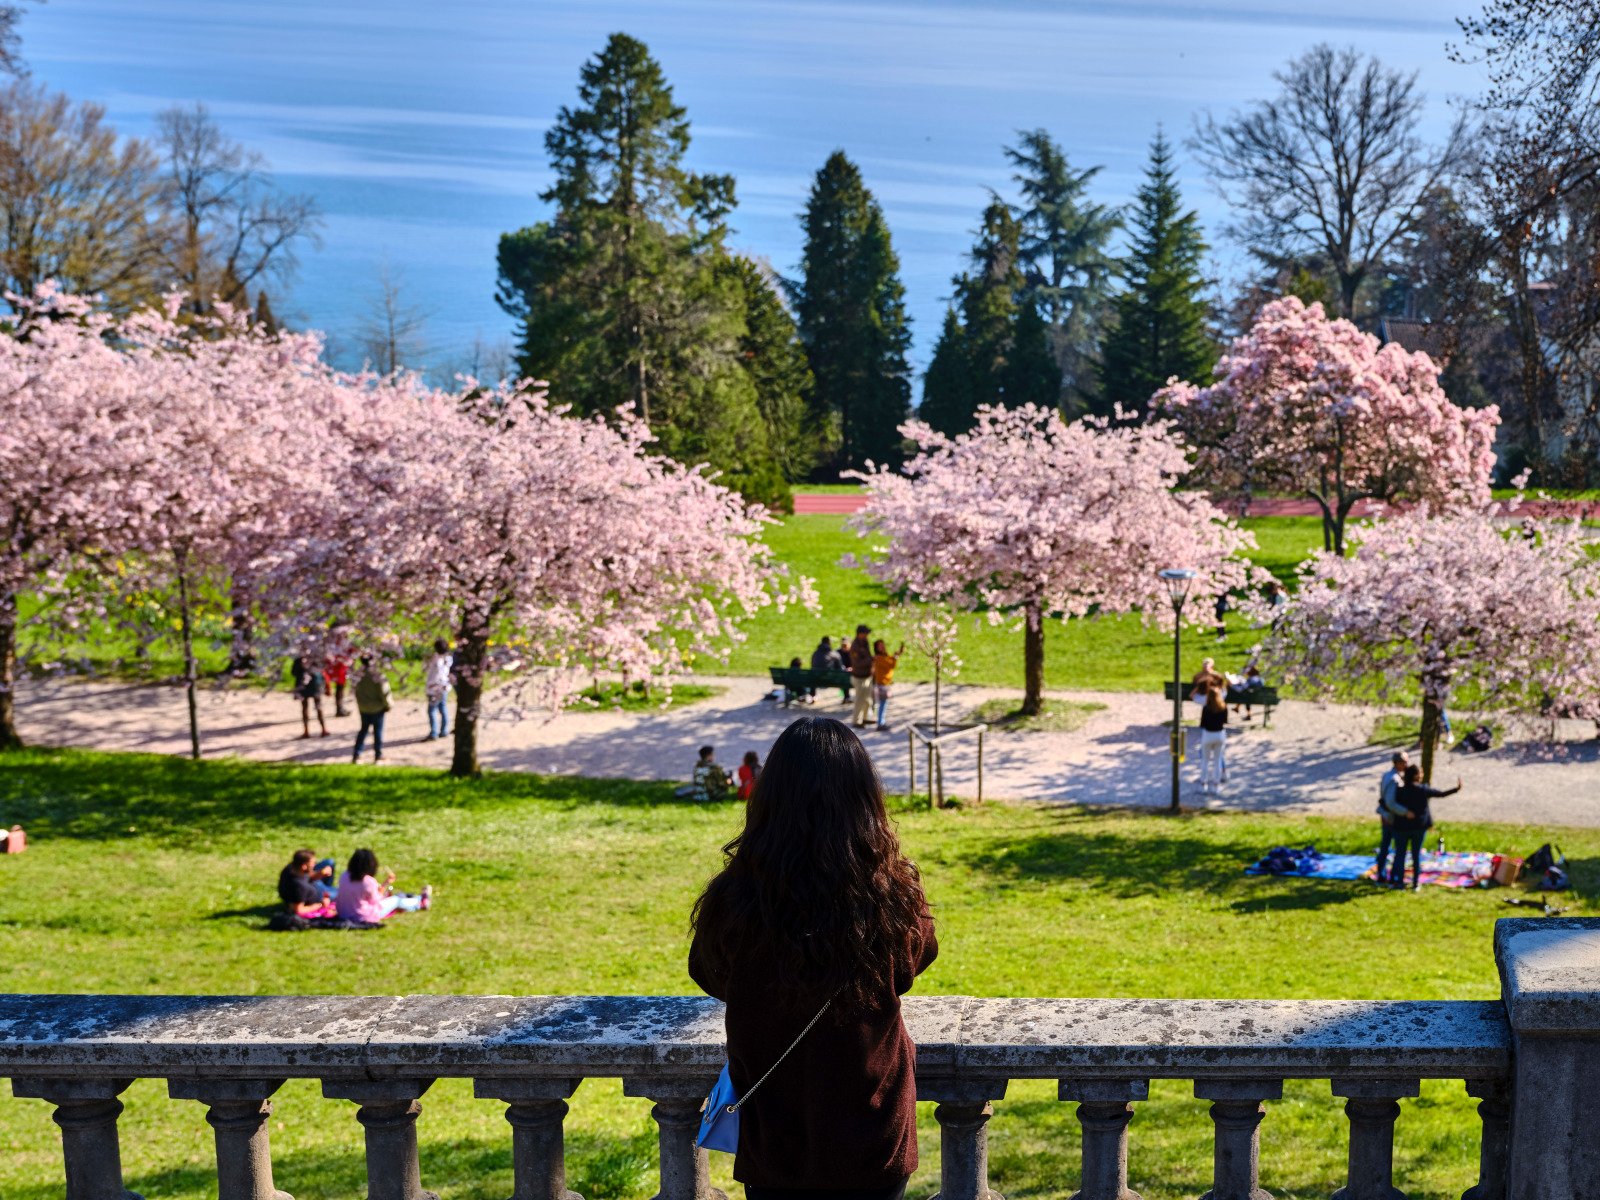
{"x": 1456, "y": 868}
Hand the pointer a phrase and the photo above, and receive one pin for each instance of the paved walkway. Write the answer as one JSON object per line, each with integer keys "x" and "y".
{"x": 1314, "y": 758}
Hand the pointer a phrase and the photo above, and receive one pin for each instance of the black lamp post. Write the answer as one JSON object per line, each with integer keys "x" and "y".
{"x": 1177, "y": 580}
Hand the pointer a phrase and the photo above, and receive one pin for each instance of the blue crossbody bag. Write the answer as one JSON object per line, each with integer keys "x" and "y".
{"x": 719, "y": 1123}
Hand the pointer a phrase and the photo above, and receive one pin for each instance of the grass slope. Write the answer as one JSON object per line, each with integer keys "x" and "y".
{"x": 149, "y": 874}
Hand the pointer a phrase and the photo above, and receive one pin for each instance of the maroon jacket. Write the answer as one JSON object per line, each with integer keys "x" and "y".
{"x": 841, "y": 1111}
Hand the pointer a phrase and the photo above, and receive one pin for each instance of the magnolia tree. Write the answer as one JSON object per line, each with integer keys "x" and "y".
{"x": 1449, "y": 609}
{"x": 549, "y": 545}
{"x": 1027, "y": 518}
{"x": 78, "y": 446}
{"x": 1309, "y": 406}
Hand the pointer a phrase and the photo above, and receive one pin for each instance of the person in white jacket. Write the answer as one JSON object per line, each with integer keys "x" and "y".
{"x": 436, "y": 687}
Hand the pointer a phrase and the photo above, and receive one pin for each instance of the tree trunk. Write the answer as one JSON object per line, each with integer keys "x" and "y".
{"x": 938, "y": 660}
{"x": 10, "y": 739}
{"x": 189, "y": 679}
{"x": 1430, "y": 738}
{"x": 469, "y": 696}
{"x": 1033, "y": 660}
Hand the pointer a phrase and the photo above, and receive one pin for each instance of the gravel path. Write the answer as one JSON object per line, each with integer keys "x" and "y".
{"x": 1313, "y": 759}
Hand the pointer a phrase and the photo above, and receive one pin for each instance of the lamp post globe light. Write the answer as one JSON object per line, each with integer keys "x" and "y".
{"x": 1178, "y": 581}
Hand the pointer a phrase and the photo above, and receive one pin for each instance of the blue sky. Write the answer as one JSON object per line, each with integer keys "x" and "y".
{"x": 418, "y": 125}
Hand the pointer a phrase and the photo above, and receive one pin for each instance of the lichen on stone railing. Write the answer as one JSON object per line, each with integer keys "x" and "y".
{"x": 383, "y": 1053}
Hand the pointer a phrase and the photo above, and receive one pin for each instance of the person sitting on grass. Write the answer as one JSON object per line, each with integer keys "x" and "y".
{"x": 749, "y": 772}
{"x": 710, "y": 781}
{"x": 362, "y": 898}
{"x": 298, "y": 890}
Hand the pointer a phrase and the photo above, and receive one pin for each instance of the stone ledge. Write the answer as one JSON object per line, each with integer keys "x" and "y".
{"x": 1550, "y": 974}
{"x": 958, "y": 1038}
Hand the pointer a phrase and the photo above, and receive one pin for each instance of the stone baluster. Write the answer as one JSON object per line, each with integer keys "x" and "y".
{"x": 1373, "y": 1107}
{"x": 388, "y": 1113}
{"x": 1237, "y": 1106}
{"x": 685, "y": 1170}
{"x": 1105, "y": 1107}
{"x": 1494, "y": 1110}
{"x": 87, "y": 1112}
{"x": 237, "y": 1110}
{"x": 538, "y": 1144}
{"x": 963, "y": 1110}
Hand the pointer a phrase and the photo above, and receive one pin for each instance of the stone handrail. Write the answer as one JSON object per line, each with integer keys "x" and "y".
{"x": 232, "y": 1053}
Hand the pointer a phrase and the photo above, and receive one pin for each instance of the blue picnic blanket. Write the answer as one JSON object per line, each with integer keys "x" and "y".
{"x": 1308, "y": 862}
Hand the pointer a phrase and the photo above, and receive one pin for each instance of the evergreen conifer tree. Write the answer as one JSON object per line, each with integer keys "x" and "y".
{"x": 622, "y": 296}
{"x": 1031, "y": 375}
{"x": 947, "y": 395}
{"x": 1160, "y": 329}
{"x": 1066, "y": 257}
{"x": 776, "y": 362}
{"x": 850, "y": 308}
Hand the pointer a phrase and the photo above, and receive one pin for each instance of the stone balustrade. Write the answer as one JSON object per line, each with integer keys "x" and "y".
{"x": 1527, "y": 1057}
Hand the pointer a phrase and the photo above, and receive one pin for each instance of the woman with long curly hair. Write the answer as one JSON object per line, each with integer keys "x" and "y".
{"x": 816, "y": 910}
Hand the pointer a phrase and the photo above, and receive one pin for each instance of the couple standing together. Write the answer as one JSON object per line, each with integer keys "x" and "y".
{"x": 1403, "y": 808}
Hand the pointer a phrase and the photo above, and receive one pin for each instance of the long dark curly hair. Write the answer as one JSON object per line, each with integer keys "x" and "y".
{"x": 817, "y": 879}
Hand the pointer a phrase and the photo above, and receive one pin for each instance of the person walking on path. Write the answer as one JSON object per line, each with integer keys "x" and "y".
{"x": 1220, "y": 609}
{"x": 1410, "y": 828}
{"x": 436, "y": 688}
{"x": 372, "y": 702}
{"x": 883, "y": 665}
{"x": 817, "y": 916}
{"x": 308, "y": 687}
{"x": 1213, "y": 741}
{"x": 861, "y": 678}
{"x": 1389, "y": 807}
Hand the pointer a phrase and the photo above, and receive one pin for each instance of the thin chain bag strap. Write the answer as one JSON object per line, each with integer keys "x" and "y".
{"x": 737, "y": 1105}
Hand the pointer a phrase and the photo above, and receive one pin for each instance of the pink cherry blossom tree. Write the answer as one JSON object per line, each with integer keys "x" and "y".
{"x": 1028, "y": 518}
{"x": 550, "y": 546}
{"x": 78, "y": 445}
{"x": 1314, "y": 407}
{"x": 243, "y": 460}
{"x": 1449, "y": 609}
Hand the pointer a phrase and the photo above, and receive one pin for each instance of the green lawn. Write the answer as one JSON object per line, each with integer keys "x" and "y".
{"x": 1118, "y": 653}
{"x": 149, "y": 874}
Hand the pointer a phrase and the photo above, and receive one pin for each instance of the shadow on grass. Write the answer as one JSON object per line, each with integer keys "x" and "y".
{"x": 1123, "y": 863}
{"x": 101, "y": 796}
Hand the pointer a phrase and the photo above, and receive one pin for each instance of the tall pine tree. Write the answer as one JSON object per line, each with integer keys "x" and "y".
{"x": 850, "y": 307}
{"x": 1066, "y": 258}
{"x": 997, "y": 351}
{"x": 1160, "y": 328}
{"x": 776, "y": 361}
{"x": 622, "y": 296}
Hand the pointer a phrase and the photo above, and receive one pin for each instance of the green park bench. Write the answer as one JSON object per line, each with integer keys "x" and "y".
{"x": 1266, "y": 698}
{"x": 795, "y": 680}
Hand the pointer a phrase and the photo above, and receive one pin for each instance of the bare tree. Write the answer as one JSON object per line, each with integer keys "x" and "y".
{"x": 488, "y": 361}
{"x": 234, "y": 231}
{"x": 391, "y": 333}
{"x": 11, "y": 41}
{"x": 1531, "y": 220}
{"x": 77, "y": 204}
{"x": 1332, "y": 165}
